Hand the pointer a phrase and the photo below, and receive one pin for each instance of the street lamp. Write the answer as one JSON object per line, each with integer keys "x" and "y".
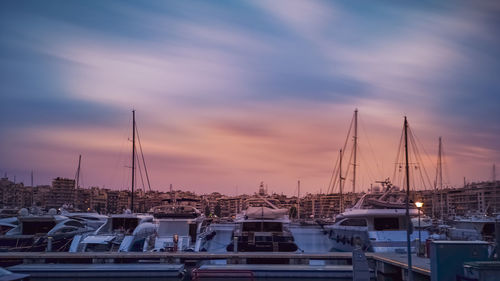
{"x": 419, "y": 206}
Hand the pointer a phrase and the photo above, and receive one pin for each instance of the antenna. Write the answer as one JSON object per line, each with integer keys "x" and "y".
{"x": 31, "y": 178}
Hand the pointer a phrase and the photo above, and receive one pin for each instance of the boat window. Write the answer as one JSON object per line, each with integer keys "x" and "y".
{"x": 34, "y": 227}
{"x": 73, "y": 223}
{"x": 273, "y": 226}
{"x": 65, "y": 230}
{"x": 488, "y": 229}
{"x": 251, "y": 226}
{"x": 125, "y": 224}
{"x": 98, "y": 247}
{"x": 386, "y": 224}
{"x": 263, "y": 239}
{"x": 354, "y": 222}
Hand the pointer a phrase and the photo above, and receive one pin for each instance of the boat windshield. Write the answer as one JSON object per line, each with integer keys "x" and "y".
{"x": 36, "y": 227}
{"x": 263, "y": 226}
{"x": 272, "y": 226}
{"x": 169, "y": 228}
{"x": 125, "y": 224}
{"x": 386, "y": 223}
{"x": 353, "y": 222}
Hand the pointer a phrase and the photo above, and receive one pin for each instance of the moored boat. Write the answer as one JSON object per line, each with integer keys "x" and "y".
{"x": 375, "y": 227}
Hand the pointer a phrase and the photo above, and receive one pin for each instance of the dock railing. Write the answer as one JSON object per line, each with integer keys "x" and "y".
{"x": 164, "y": 257}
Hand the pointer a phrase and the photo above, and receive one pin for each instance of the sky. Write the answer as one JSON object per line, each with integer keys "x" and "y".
{"x": 231, "y": 93}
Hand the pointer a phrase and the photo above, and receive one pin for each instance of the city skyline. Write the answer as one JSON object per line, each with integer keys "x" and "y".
{"x": 229, "y": 94}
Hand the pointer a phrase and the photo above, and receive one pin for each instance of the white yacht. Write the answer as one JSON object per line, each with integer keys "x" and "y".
{"x": 376, "y": 223}
{"x": 263, "y": 229}
{"x": 93, "y": 220}
{"x": 121, "y": 233}
{"x": 6, "y": 224}
{"x": 32, "y": 232}
{"x": 180, "y": 228}
{"x": 472, "y": 227}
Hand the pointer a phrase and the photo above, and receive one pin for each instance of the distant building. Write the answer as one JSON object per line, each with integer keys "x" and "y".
{"x": 83, "y": 198}
{"x": 14, "y": 194}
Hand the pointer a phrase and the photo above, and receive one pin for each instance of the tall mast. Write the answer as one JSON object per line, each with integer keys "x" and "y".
{"x": 298, "y": 199}
{"x": 408, "y": 226}
{"x": 341, "y": 205}
{"x": 31, "y": 178}
{"x": 355, "y": 150}
{"x": 440, "y": 177}
{"x": 77, "y": 177}
{"x": 133, "y": 161}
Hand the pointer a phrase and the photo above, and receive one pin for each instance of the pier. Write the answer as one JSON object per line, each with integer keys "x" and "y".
{"x": 333, "y": 264}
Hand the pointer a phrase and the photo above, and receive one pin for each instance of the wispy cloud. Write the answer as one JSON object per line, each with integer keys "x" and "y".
{"x": 245, "y": 91}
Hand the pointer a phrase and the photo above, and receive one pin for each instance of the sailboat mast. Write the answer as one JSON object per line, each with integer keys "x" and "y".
{"x": 440, "y": 173}
{"x": 298, "y": 199}
{"x": 341, "y": 205}
{"x": 133, "y": 161}
{"x": 77, "y": 178}
{"x": 408, "y": 225}
{"x": 355, "y": 150}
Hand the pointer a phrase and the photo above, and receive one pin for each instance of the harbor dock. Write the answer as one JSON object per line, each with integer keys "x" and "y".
{"x": 336, "y": 265}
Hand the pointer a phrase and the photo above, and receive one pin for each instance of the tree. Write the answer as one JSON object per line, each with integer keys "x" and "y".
{"x": 207, "y": 211}
{"x": 217, "y": 210}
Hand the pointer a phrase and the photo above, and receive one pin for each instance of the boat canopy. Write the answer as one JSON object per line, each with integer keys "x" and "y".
{"x": 265, "y": 213}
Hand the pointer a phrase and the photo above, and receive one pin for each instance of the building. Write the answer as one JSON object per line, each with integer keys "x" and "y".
{"x": 62, "y": 192}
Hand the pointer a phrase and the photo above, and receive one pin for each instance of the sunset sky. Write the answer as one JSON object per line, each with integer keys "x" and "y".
{"x": 231, "y": 93}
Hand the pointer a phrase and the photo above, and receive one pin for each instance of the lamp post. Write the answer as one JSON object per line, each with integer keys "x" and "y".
{"x": 419, "y": 206}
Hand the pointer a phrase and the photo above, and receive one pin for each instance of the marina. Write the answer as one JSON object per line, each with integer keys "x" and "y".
{"x": 264, "y": 140}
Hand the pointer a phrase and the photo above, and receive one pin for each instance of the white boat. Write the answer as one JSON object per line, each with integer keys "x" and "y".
{"x": 6, "y": 224}
{"x": 32, "y": 232}
{"x": 472, "y": 227}
{"x": 262, "y": 229}
{"x": 121, "y": 233}
{"x": 180, "y": 228}
{"x": 375, "y": 226}
{"x": 93, "y": 220}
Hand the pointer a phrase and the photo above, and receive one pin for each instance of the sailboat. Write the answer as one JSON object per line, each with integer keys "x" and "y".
{"x": 378, "y": 222}
{"x": 127, "y": 232}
